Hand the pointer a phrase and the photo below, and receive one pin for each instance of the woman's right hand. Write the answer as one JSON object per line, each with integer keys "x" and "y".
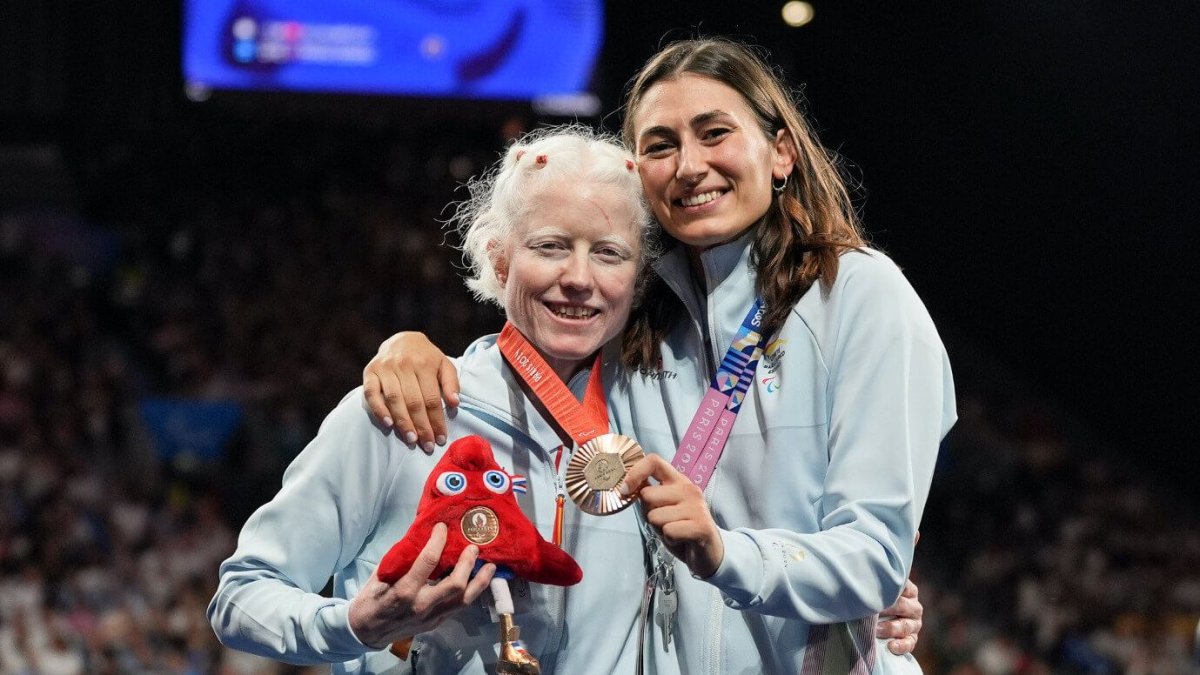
{"x": 405, "y": 385}
{"x": 901, "y": 623}
{"x": 382, "y": 613}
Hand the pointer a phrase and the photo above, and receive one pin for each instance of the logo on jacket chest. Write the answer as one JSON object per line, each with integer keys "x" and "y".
{"x": 658, "y": 372}
{"x": 772, "y": 360}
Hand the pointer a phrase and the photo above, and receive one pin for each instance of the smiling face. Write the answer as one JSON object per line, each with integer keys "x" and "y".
{"x": 568, "y": 270}
{"x": 705, "y": 162}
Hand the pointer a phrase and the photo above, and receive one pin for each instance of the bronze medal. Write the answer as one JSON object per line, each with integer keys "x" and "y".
{"x": 480, "y": 525}
{"x": 597, "y": 468}
{"x": 604, "y": 471}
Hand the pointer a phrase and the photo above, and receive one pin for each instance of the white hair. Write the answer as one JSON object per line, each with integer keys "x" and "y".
{"x": 501, "y": 196}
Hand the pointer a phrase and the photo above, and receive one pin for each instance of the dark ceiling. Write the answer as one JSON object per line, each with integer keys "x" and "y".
{"x": 1032, "y": 165}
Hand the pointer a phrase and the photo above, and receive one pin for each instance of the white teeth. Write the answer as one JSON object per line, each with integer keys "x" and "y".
{"x": 573, "y": 312}
{"x": 704, "y": 198}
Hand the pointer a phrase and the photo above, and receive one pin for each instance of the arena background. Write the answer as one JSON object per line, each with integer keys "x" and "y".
{"x": 186, "y": 287}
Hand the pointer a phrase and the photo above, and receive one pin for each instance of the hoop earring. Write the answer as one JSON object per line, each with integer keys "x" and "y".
{"x": 778, "y": 187}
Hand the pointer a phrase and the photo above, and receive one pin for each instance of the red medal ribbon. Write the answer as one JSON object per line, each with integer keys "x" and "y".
{"x": 581, "y": 422}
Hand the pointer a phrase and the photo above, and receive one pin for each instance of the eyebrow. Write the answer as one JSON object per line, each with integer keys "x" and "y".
{"x": 544, "y": 232}
{"x": 614, "y": 238}
{"x": 708, "y": 116}
{"x": 611, "y": 238}
{"x": 699, "y": 119}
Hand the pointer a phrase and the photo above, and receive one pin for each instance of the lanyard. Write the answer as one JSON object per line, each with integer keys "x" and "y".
{"x": 581, "y": 422}
{"x": 705, "y": 438}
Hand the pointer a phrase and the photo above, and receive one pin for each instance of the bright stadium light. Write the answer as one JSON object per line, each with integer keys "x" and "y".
{"x": 796, "y": 13}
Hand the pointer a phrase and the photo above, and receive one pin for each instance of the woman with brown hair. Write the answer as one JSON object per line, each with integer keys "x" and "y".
{"x": 793, "y": 528}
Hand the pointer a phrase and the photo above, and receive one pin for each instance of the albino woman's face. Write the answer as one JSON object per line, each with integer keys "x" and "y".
{"x": 705, "y": 163}
{"x": 568, "y": 271}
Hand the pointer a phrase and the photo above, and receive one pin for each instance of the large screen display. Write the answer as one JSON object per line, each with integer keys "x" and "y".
{"x": 488, "y": 49}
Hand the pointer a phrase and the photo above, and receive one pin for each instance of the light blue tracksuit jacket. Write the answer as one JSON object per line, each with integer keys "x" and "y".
{"x": 822, "y": 483}
{"x": 353, "y": 492}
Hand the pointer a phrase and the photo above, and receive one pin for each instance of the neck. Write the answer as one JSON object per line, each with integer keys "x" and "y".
{"x": 566, "y": 368}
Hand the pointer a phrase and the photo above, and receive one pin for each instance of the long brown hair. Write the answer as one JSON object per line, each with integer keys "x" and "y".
{"x": 806, "y": 228}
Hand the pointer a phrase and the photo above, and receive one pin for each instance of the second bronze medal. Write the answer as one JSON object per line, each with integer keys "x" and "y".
{"x": 480, "y": 525}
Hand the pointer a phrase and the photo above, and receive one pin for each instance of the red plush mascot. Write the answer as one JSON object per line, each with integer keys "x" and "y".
{"x": 469, "y": 492}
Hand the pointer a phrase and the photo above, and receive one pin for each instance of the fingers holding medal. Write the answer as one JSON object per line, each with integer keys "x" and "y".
{"x": 597, "y": 469}
{"x": 676, "y": 508}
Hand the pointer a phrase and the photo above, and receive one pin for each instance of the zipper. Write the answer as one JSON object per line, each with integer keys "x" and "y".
{"x": 714, "y": 622}
{"x": 710, "y": 351}
{"x": 711, "y": 344}
{"x": 560, "y": 498}
{"x": 556, "y": 595}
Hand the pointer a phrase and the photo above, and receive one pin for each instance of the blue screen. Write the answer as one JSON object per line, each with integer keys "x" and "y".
{"x": 489, "y": 49}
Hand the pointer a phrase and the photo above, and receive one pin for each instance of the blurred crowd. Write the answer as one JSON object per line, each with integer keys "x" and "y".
{"x": 263, "y": 262}
{"x": 1045, "y": 549}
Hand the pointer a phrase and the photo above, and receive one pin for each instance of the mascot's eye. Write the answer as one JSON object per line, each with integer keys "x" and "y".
{"x": 496, "y": 481}
{"x": 451, "y": 483}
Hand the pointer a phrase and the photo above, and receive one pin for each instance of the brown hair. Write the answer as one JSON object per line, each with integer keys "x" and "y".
{"x": 808, "y": 225}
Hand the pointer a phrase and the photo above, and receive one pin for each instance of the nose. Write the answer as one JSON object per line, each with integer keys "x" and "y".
{"x": 577, "y": 272}
{"x": 693, "y": 165}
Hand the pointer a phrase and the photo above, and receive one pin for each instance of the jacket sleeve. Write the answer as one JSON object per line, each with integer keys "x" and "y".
{"x": 267, "y": 600}
{"x": 890, "y": 403}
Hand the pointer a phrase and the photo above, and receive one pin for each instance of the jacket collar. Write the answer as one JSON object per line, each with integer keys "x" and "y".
{"x": 718, "y": 262}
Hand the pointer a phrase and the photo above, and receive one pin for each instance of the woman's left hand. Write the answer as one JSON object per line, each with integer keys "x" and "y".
{"x": 675, "y": 507}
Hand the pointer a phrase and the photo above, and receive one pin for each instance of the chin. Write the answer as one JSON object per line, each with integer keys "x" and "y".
{"x": 573, "y": 353}
{"x": 701, "y": 236}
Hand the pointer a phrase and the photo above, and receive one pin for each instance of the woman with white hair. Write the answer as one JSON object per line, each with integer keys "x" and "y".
{"x": 555, "y": 234}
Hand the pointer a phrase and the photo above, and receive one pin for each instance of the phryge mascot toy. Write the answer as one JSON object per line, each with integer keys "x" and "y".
{"x": 469, "y": 492}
